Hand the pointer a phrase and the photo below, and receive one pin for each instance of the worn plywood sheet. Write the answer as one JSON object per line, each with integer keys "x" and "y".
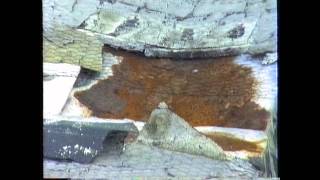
{"x": 58, "y": 81}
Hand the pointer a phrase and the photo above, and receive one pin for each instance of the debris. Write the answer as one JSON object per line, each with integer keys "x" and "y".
{"x": 167, "y": 130}
{"x": 270, "y": 58}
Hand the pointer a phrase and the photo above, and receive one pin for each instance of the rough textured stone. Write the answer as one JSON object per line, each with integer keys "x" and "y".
{"x": 116, "y": 161}
{"x": 167, "y": 130}
{"x": 270, "y": 58}
{"x": 149, "y": 162}
{"x": 170, "y": 28}
{"x": 79, "y": 140}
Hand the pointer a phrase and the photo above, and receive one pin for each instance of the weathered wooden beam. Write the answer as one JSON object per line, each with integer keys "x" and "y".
{"x": 171, "y": 28}
{"x": 62, "y": 44}
{"x": 79, "y": 139}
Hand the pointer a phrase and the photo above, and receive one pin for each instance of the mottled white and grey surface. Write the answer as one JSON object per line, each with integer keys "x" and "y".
{"x": 172, "y": 28}
{"x": 167, "y": 130}
{"x": 152, "y": 163}
{"x": 62, "y": 44}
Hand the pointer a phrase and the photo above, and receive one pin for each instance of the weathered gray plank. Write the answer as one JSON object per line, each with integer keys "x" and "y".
{"x": 62, "y": 44}
{"x": 79, "y": 139}
{"x": 171, "y": 28}
{"x": 152, "y": 163}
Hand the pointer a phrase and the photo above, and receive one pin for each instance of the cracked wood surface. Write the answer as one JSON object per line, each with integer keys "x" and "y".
{"x": 157, "y": 28}
{"x": 139, "y": 160}
{"x": 62, "y": 44}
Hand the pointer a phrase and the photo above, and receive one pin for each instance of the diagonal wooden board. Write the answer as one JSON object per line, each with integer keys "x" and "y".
{"x": 58, "y": 81}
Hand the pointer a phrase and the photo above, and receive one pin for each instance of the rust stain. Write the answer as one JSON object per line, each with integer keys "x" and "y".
{"x": 235, "y": 144}
{"x": 204, "y": 92}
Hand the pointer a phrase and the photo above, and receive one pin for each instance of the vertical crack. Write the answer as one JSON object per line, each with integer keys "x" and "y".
{"x": 73, "y": 5}
{"x": 195, "y": 6}
{"x": 254, "y": 28}
{"x": 246, "y": 9}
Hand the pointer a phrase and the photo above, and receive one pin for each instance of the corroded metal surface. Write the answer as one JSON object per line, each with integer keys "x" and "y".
{"x": 207, "y": 92}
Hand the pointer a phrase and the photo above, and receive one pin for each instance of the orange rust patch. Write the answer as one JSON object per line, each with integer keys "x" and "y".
{"x": 204, "y": 92}
{"x": 234, "y": 144}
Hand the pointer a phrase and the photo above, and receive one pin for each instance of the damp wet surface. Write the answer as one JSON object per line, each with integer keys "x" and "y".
{"x": 205, "y": 92}
{"x": 234, "y": 144}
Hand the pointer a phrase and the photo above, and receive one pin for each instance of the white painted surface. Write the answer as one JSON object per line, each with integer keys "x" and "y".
{"x": 267, "y": 77}
{"x": 57, "y": 89}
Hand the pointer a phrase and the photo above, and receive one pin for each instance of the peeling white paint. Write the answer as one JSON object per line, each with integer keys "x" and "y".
{"x": 66, "y": 147}
{"x": 56, "y": 90}
{"x": 87, "y": 151}
{"x": 267, "y": 77}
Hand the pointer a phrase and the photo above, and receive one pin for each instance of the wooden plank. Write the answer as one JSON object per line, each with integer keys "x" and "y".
{"x": 57, "y": 84}
{"x": 79, "y": 139}
{"x": 62, "y": 44}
